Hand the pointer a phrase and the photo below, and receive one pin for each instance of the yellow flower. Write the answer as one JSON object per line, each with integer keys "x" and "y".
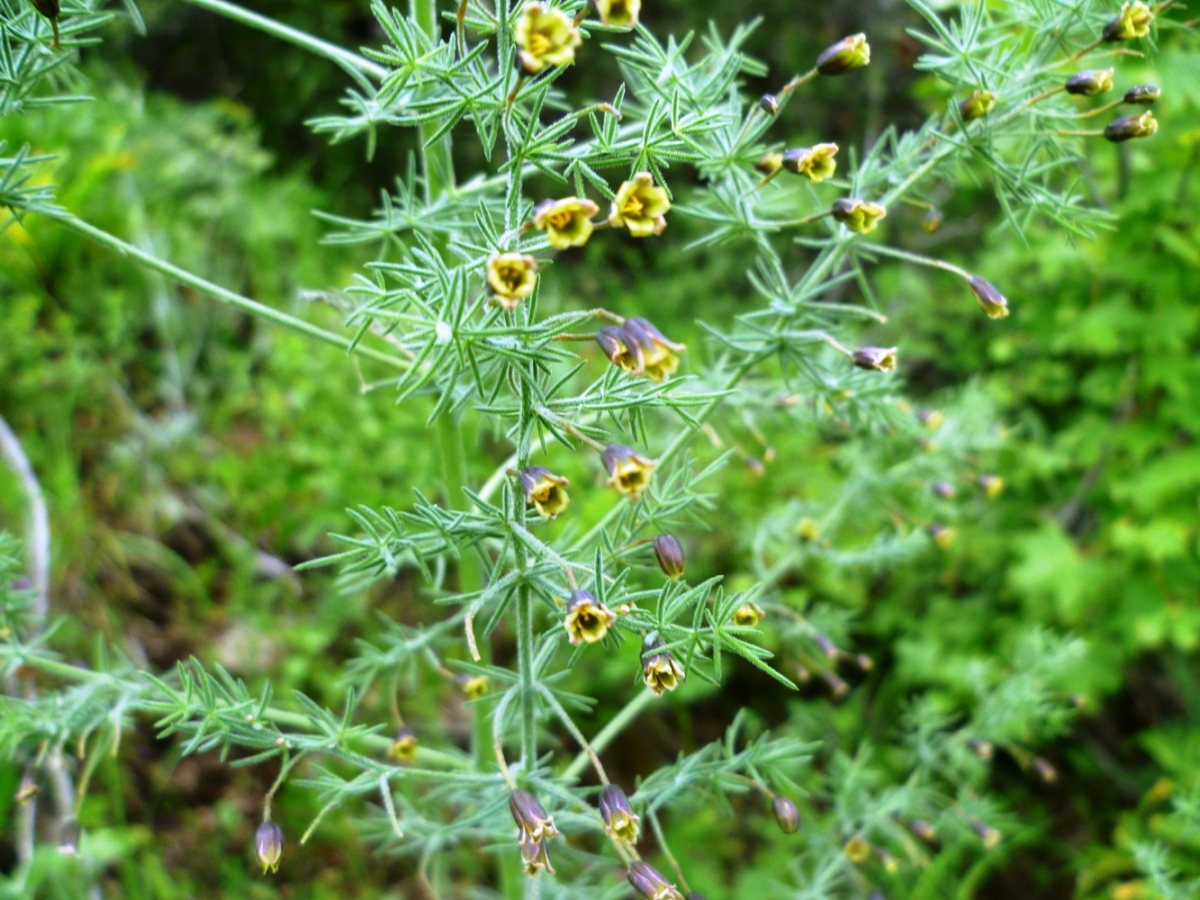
{"x": 404, "y": 750}
{"x": 546, "y": 37}
{"x": 770, "y": 164}
{"x": 1090, "y": 82}
{"x": 474, "y": 686}
{"x": 992, "y": 485}
{"x": 875, "y": 359}
{"x": 816, "y": 162}
{"x": 942, "y": 536}
{"x": 660, "y": 671}
{"x": 613, "y": 342}
{"x": 628, "y": 472}
{"x": 1133, "y": 22}
{"x": 545, "y": 490}
{"x": 978, "y": 105}
{"x": 512, "y": 277}
{"x": 658, "y": 356}
{"x": 567, "y": 222}
{"x": 640, "y": 206}
{"x": 535, "y": 858}
{"x": 846, "y": 55}
{"x": 620, "y": 821}
{"x": 858, "y": 851}
{"x": 807, "y": 529}
{"x": 618, "y": 13}
{"x": 588, "y": 620}
{"x": 748, "y": 615}
{"x": 858, "y": 215}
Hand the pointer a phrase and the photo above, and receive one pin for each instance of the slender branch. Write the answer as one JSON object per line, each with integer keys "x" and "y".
{"x": 609, "y": 732}
{"x": 38, "y": 531}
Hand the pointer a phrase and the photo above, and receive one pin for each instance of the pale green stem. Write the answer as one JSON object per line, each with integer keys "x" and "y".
{"x": 182, "y": 276}
{"x": 885, "y": 250}
{"x": 437, "y": 163}
{"x": 330, "y": 51}
{"x": 609, "y": 732}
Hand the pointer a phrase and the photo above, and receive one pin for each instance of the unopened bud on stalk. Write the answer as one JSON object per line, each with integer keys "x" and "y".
{"x": 978, "y": 105}
{"x": 932, "y": 220}
{"x": 1045, "y": 770}
{"x": 770, "y": 164}
{"x": 826, "y": 646}
{"x": 923, "y": 830}
{"x": 268, "y": 845}
{"x": 858, "y": 215}
{"x": 1133, "y": 22}
{"x": 982, "y": 749}
{"x": 669, "y": 552}
{"x": 846, "y": 55}
{"x": 864, "y": 662}
{"x": 989, "y": 835}
{"x": 890, "y": 864}
{"x": 787, "y": 817}
{"x": 1142, "y": 95}
{"x": 838, "y": 689}
{"x": 49, "y": 9}
{"x": 620, "y": 821}
{"x": 875, "y": 359}
{"x": 993, "y": 303}
{"x": 1127, "y": 128}
{"x": 944, "y": 489}
{"x": 769, "y": 104}
{"x": 660, "y": 670}
{"x": 650, "y": 883}
{"x": 531, "y": 817}
{"x": 1090, "y": 82}
{"x": 748, "y": 615}
{"x": 588, "y": 620}
{"x": 404, "y": 749}
{"x": 930, "y": 418}
{"x": 545, "y": 490}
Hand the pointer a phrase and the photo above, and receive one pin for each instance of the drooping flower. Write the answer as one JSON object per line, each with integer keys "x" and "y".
{"x": 816, "y": 162}
{"x": 511, "y": 278}
{"x": 474, "y": 686}
{"x": 1090, "y": 82}
{"x": 991, "y": 485}
{"x": 807, "y": 529}
{"x": 588, "y": 620}
{"x": 748, "y": 615}
{"x": 942, "y": 536}
{"x": 1133, "y": 22}
{"x": 404, "y": 748}
{"x": 545, "y": 490}
{"x": 640, "y": 206}
{"x": 658, "y": 356}
{"x": 787, "y": 817}
{"x": 567, "y": 222}
{"x": 669, "y": 553}
{"x": 846, "y": 55}
{"x": 618, "y": 13}
{"x": 978, "y": 105}
{"x": 268, "y": 845}
{"x": 1142, "y": 95}
{"x": 620, "y": 821}
{"x": 628, "y": 472}
{"x": 858, "y": 215}
{"x": 531, "y": 817}
{"x": 769, "y": 104}
{"x": 535, "y": 858}
{"x": 1127, "y": 128}
{"x": 650, "y": 883}
{"x": 545, "y": 37}
{"x": 660, "y": 670}
{"x": 993, "y": 303}
{"x": 875, "y": 359}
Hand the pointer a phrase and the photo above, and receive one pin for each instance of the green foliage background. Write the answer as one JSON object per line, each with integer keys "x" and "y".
{"x": 188, "y": 452}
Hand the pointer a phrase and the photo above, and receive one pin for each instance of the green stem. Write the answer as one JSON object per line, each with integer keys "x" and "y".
{"x": 437, "y": 164}
{"x": 609, "y": 732}
{"x": 525, "y": 672}
{"x": 294, "y": 36}
{"x": 182, "y": 276}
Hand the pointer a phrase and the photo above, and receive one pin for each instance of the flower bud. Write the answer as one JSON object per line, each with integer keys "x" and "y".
{"x": 620, "y": 821}
{"x": 982, "y": 749}
{"x": 875, "y": 359}
{"x": 659, "y": 357}
{"x": 976, "y": 106}
{"x": 588, "y": 620}
{"x": 628, "y": 472}
{"x": 989, "y": 835}
{"x": 649, "y": 882}
{"x": 1045, "y": 770}
{"x": 890, "y": 864}
{"x": 268, "y": 845}
{"x": 614, "y": 343}
{"x": 1090, "y": 82}
{"x": 567, "y": 222}
{"x": 991, "y": 485}
{"x": 660, "y": 670}
{"x": 923, "y": 830}
{"x": 474, "y": 686}
{"x": 618, "y": 13}
{"x": 545, "y": 37}
{"x": 769, "y": 164}
{"x": 748, "y": 615}
{"x": 49, "y": 9}
{"x": 531, "y": 817}
{"x": 511, "y": 277}
{"x": 816, "y": 163}
{"x": 1142, "y": 95}
{"x": 930, "y": 418}
{"x": 787, "y": 817}
{"x": 1133, "y": 22}
{"x": 640, "y": 206}
{"x": 942, "y": 536}
{"x": 932, "y": 220}
{"x": 670, "y": 555}
{"x": 404, "y": 749}
{"x": 846, "y": 55}
{"x": 808, "y": 530}
{"x": 990, "y": 300}
{"x": 769, "y": 104}
{"x": 826, "y": 646}
{"x": 858, "y": 215}
{"x": 944, "y": 489}
{"x": 545, "y": 490}
{"x": 858, "y": 850}
{"x": 1129, "y": 127}
{"x": 535, "y": 858}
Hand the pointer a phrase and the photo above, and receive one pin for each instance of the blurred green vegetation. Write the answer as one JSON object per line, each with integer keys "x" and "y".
{"x": 191, "y": 454}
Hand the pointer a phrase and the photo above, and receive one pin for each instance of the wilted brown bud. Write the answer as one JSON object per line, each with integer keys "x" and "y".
{"x": 787, "y": 817}
{"x": 1142, "y": 95}
{"x": 1127, "y": 128}
{"x": 545, "y": 490}
{"x": 669, "y": 552}
{"x": 1090, "y": 82}
{"x": 531, "y": 817}
{"x": 649, "y": 882}
{"x": 268, "y": 845}
{"x": 846, "y": 55}
{"x": 769, "y": 104}
{"x": 875, "y": 359}
{"x": 660, "y": 670}
{"x": 588, "y": 620}
{"x": 993, "y": 303}
{"x": 620, "y": 821}
{"x": 404, "y": 749}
